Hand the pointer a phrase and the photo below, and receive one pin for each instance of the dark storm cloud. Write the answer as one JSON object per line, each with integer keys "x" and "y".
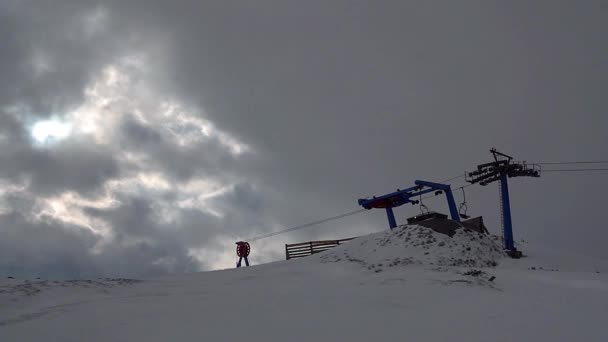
{"x": 136, "y": 133}
{"x": 73, "y": 167}
{"x": 48, "y": 37}
{"x": 208, "y": 158}
{"x": 12, "y": 53}
{"x": 243, "y": 196}
{"x": 139, "y": 236}
{"x": 338, "y": 99}
{"x": 140, "y": 246}
{"x": 11, "y": 129}
{"x": 144, "y": 236}
{"x": 52, "y": 249}
{"x": 358, "y": 79}
{"x": 45, "y": 249}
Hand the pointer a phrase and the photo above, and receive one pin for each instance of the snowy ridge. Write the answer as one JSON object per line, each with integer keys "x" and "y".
{"x": 414, "y": 244}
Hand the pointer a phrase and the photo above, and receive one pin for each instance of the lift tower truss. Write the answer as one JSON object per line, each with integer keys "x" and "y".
{"x": 502, "y": 168}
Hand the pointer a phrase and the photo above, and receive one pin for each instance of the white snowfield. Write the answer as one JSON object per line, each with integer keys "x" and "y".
{"x": 409, "y": 284}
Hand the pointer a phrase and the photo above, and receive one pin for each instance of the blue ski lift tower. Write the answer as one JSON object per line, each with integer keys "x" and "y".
{"x": 409, "y": 195}
{"x": 500, "y": 169}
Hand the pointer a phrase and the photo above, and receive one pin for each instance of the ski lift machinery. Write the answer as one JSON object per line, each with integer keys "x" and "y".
{"x": 502, "y": 168}
{"x": 463, "y": 208}
{"x": 401, "y": 197}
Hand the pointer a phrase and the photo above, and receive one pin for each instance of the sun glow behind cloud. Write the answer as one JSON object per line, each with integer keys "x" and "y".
{"x": 50, "y": 130}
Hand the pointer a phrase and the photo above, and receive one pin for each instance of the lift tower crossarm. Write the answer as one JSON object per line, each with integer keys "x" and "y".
{"x": 409, "y": 195}
{"x": 394, "y": 199}
{"x": 448, "y": 193}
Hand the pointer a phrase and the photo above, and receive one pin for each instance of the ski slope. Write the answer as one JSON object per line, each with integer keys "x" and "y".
{"x": 409, "y": 284}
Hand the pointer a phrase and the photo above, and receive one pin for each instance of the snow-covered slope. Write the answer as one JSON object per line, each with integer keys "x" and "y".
{"x": 380, "y": 287}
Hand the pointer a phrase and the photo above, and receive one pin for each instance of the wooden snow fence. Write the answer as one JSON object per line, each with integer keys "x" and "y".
{"x": 303, "y": 249}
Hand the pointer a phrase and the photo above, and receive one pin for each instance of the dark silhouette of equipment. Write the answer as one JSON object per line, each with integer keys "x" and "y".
{"x": 500, "y": 169}
{"x": 426, "y": 216}
{"x": 463, "y": 208}
{"x": 401, "y": 197}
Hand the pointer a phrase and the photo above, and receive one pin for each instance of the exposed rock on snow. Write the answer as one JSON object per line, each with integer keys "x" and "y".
{"x": 414, "y": 244}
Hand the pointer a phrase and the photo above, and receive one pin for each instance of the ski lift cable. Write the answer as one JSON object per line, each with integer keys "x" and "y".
{"x": 452, "y": 178}
{"x": 314, "y": 223}
{"x": 574, "y": 170}
{"x": 454, "y": 189}
{"x": 573, "y": 162}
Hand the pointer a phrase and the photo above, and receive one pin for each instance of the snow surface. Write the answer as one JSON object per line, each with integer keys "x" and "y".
{"x": 419, "y": 245}
{"x": 409, "y": 284}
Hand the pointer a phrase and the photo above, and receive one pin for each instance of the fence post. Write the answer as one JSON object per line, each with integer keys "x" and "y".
{"x": 286, "y": 252}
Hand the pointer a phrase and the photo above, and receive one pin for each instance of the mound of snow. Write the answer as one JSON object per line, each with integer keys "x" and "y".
{"x": 414, "y": 244}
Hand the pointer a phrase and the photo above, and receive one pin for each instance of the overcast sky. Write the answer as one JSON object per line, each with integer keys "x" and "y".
{"x": 144, "y": 137}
